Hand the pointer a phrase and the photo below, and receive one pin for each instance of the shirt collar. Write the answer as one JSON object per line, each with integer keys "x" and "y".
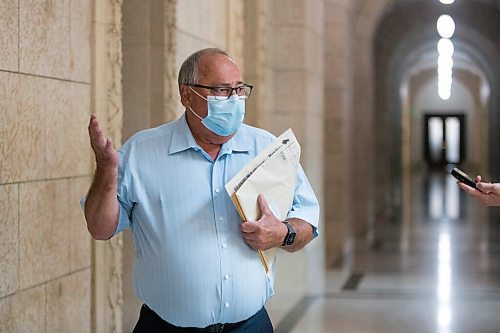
{"x": 237, "y": 143}
{"x": 183, "y": 140}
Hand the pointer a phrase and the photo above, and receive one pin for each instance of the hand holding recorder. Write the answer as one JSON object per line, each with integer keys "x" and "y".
{"x": 486, "y": 193}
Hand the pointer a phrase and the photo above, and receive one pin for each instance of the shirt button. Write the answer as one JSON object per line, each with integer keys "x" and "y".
{"x": 217, "y": 190}
{"x": 226, "y": 277}
{"x": 224, "y": 246}
{"x": 226, "y": 305}
{"x": 221, "y": 218}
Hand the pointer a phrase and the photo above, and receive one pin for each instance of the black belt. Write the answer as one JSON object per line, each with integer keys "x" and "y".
{"x": 215, "y": 328}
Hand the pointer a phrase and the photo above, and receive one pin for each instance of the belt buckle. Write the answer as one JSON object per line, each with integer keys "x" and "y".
{"x": 215, "y": 328}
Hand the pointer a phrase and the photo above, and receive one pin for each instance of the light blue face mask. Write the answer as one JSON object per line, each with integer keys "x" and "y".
{"x": 224, "y": 116}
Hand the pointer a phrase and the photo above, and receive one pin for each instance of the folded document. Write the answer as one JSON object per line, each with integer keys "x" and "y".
{"x": 273, "y": 174}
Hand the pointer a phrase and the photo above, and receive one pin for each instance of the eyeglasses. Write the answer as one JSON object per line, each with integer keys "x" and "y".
{"x": 223, "y": 93}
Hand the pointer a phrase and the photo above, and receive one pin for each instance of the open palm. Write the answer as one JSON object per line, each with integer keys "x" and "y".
{"x": 105, "y": 154}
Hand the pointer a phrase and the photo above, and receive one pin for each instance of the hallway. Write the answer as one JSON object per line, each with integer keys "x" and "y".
{"x": 433, "y": 273}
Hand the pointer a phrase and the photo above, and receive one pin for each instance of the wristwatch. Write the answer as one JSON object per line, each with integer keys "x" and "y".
{"x": 290, "y": 235}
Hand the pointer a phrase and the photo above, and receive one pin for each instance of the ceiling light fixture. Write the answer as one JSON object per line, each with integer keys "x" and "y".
{"x": 445, "y": 26}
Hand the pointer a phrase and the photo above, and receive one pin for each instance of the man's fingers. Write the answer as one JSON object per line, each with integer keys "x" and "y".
{"x": 105, "y": 154}
{"x": 488, "y": 188}
{"x": 466, "y": 188}
{"x": 109, "y": 146}
{"x": 264, "y": 207}
{"x": 249, "y": 226}
{"x": 251, "y": 236}
{"x": 92, "y": 117}
{"x": 97, "y": 139}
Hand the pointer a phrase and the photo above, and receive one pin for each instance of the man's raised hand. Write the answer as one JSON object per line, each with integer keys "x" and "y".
{"x": 105, "y": 154}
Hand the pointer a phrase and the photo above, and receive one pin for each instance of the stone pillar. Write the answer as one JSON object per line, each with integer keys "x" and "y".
{"x": 296, "y": 53}
{"x": 106, "y": 102}
{"x": 338, "y": 129}
{"x": 171, "y": 99}
{"x": 235, "y": 29}
{"x": 256, "y": 54}
{"x": 369, "y": 197}
{"x": 150, "y": 95}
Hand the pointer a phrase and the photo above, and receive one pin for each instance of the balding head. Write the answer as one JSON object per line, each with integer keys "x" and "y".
{"x": 190, "y": 69}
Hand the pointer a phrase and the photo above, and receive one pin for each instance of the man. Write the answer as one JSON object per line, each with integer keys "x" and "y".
{"x": 486, "y": 193}
{"x": 196, "y": 265}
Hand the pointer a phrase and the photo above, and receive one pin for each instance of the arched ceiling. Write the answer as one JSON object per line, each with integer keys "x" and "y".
{"x": 407, "y": 33}
{"x": 478, "y": 21}
{"x": 404, "y": 40}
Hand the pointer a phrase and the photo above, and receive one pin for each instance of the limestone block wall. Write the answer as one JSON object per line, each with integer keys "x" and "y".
{"x": 45, "y": 276}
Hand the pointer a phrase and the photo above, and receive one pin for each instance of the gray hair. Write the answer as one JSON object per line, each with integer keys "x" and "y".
{"x": 189, "y": 69}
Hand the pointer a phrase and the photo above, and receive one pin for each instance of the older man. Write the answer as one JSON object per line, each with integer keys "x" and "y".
{"x": 196, "y": 265}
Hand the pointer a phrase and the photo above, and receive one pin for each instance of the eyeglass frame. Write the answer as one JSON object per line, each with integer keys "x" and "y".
{"x": 212, "y": 88}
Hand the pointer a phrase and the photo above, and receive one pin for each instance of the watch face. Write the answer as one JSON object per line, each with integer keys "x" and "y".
{"x": 290, "y": 236}
{"x": 290, "y": 239}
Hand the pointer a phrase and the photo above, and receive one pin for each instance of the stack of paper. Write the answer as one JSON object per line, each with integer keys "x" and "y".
{"x": 273, "y": 174}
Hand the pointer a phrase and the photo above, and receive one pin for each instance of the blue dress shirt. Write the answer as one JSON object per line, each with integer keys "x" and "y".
{"x": 192, "y": 266}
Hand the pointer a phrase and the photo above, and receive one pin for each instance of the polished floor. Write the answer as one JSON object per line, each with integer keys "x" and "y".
{"x": 437, "y": 269}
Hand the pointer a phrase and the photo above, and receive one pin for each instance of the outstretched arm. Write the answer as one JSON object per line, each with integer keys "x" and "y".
{"x": 488, "y": 194}
{"x": 101, "y": 206}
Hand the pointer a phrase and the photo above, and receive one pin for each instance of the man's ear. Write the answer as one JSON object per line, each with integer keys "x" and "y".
{"x": 185, "y": 95}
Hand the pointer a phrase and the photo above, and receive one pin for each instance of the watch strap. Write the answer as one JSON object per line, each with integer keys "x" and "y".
{"x": 290, "y": 235}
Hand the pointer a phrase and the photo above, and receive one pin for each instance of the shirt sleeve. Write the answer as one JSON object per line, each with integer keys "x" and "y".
{"x": 123, "y": 193}
{"x": 125, "y": 205}
{"x": 305, "y": 204}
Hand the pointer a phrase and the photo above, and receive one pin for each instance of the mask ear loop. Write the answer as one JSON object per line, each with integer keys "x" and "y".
{"x": 190, "y": 109}
{"x": 197, "y": 93}
{"x": 194, "y": 113}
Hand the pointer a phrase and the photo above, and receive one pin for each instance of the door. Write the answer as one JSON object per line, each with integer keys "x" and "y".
{"x": 444, "y": 136}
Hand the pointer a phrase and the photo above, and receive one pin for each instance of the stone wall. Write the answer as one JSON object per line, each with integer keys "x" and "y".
{"x": 45, "y": 277}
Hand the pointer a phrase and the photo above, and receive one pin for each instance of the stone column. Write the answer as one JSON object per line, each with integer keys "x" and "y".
{"x": 297, "y": 74}
{"x": 368, "y": 196}
{"x": 338, "y": 129}
{"x": 235, "y": 28}
{"x": 106, "y": 102}
{"x": 256, "y": 54}
{"x": 150, "y": 97}
{"x": 171, "y": 99}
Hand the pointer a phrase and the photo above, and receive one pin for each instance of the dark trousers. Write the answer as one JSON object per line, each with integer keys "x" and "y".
{"x": 150, "y": 322}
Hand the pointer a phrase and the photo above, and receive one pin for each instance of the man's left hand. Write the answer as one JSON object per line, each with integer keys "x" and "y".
{"x": 267, "y": 232}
